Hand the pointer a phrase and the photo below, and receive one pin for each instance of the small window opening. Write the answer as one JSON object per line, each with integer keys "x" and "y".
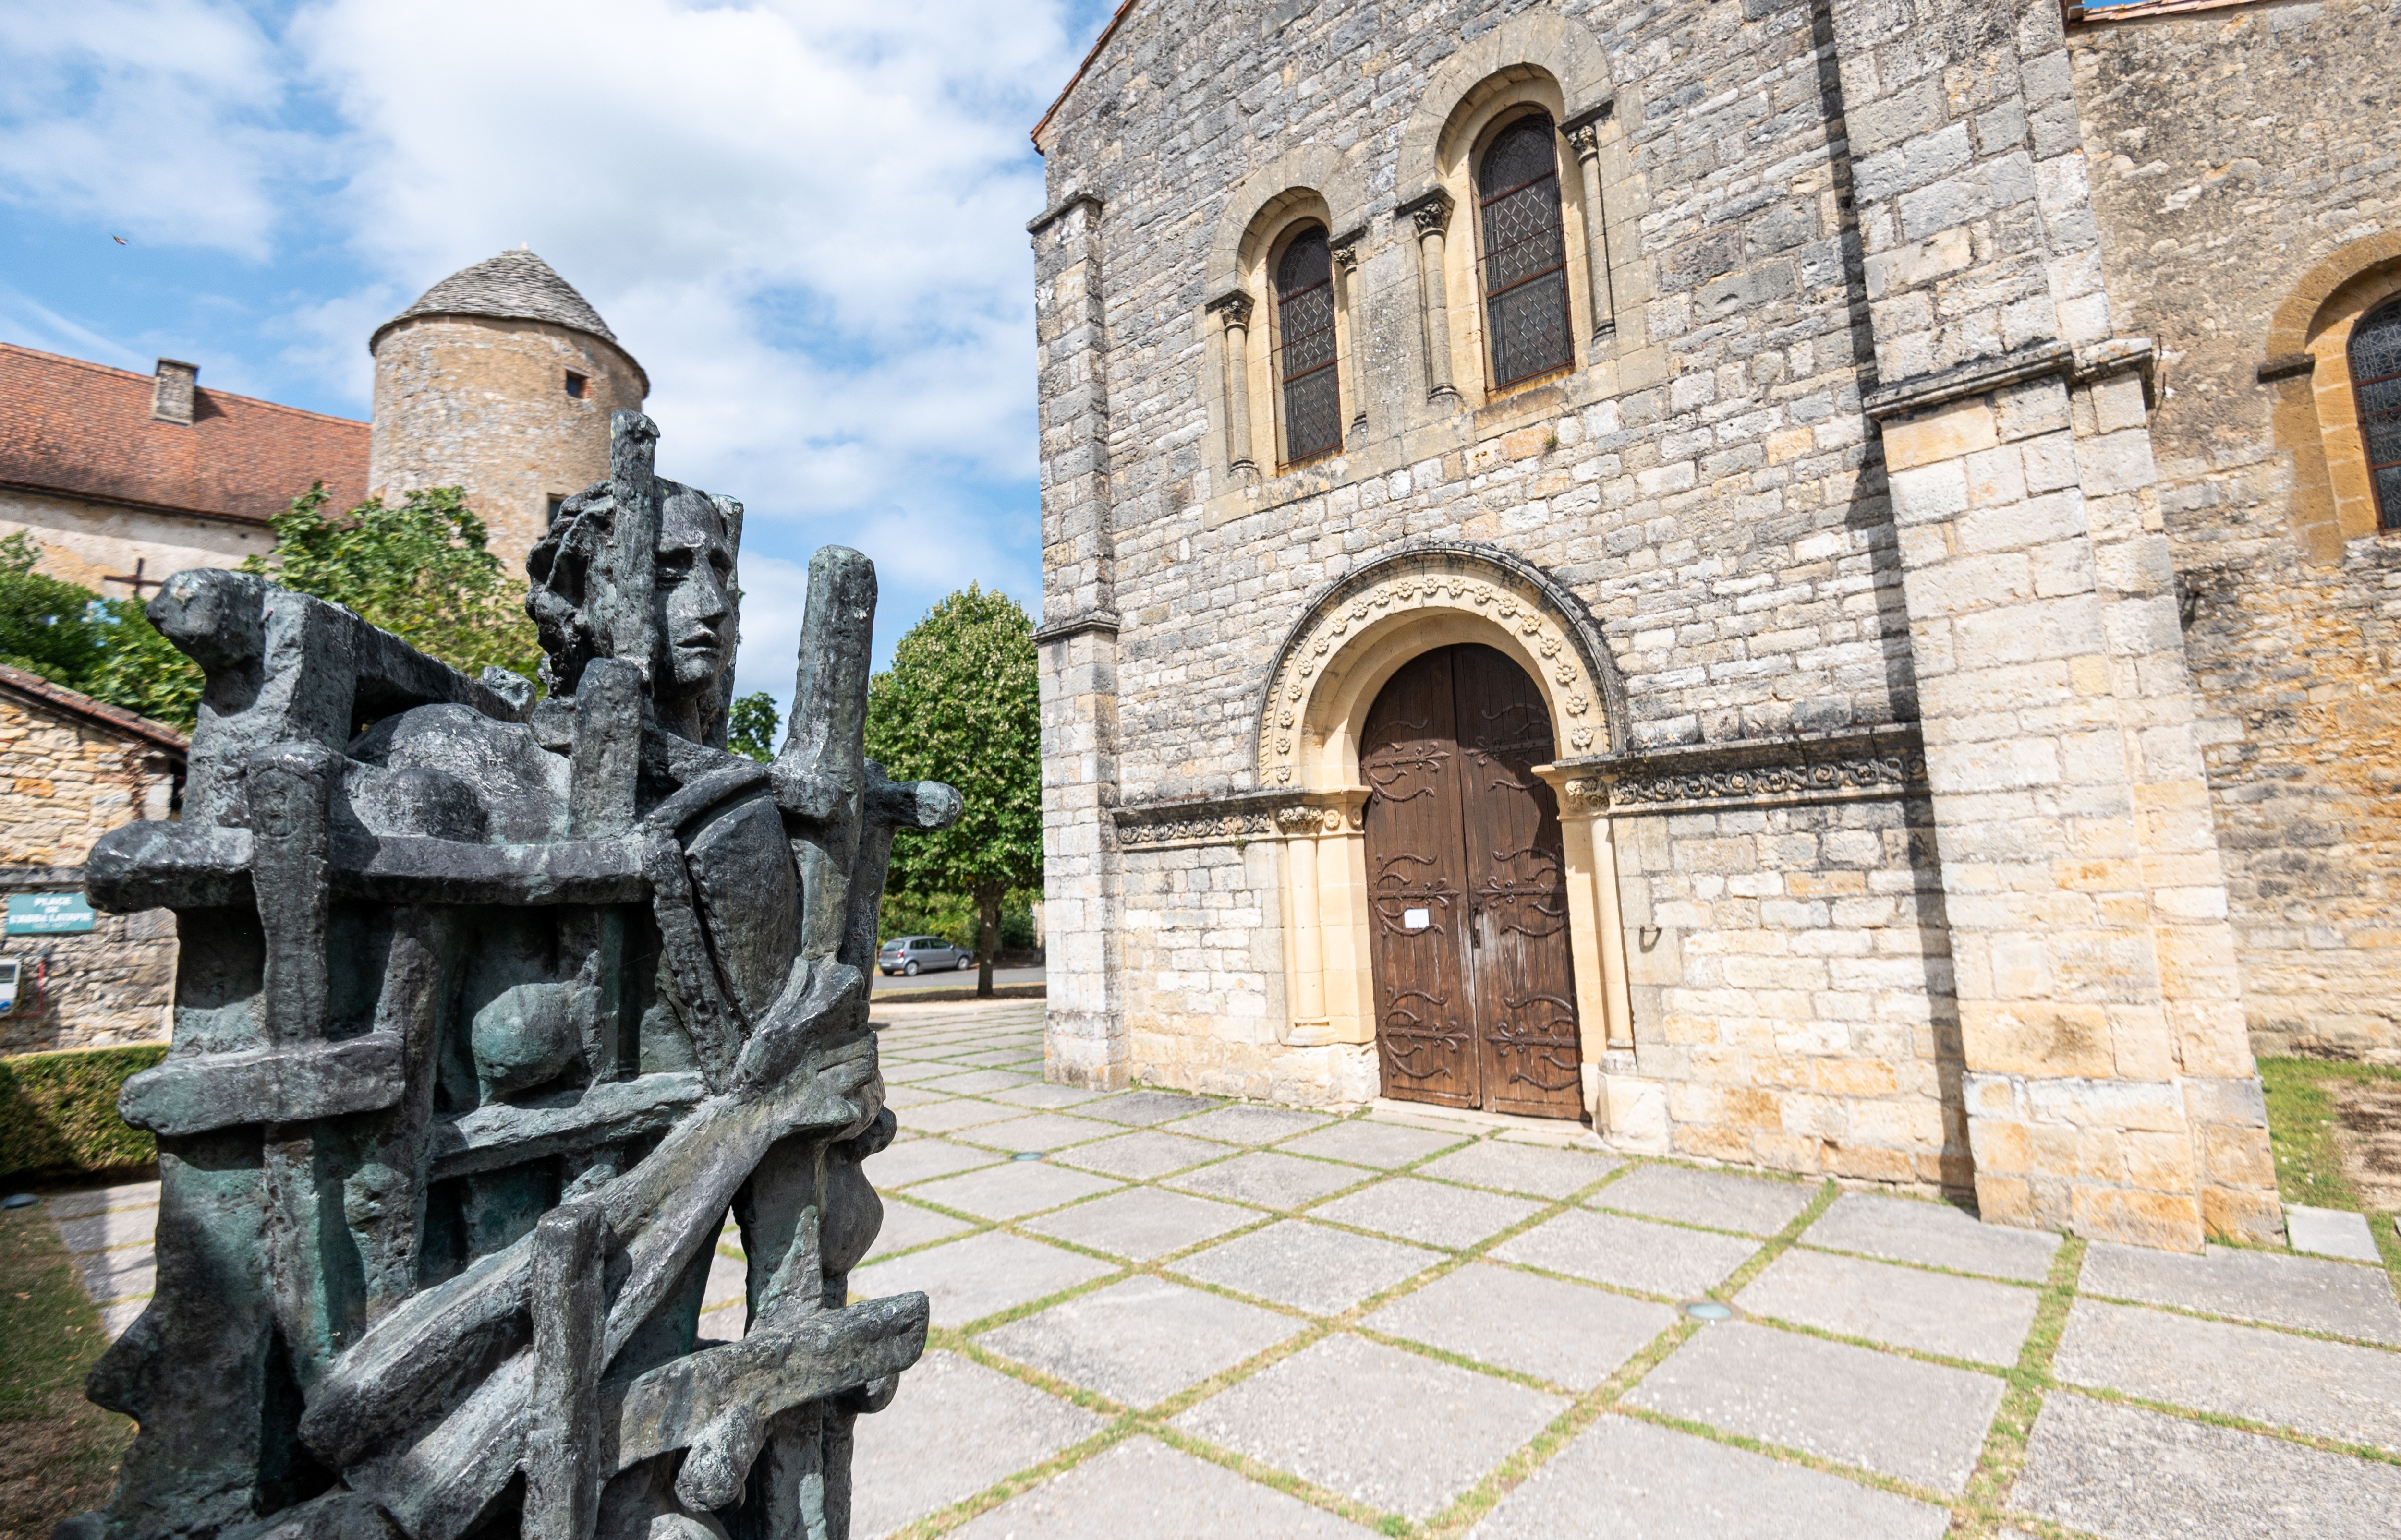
{"x": 550, "y": 515}
{"x": 1525, "y": 252}
{"x": 575, "y": 384}
{"x": 2375, "y": 357}
{"x": 1313, "y": 405}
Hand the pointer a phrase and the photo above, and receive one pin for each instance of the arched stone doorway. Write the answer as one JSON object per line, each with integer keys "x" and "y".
{"x": 1467, "y": 889}
{"x": 1352, "y": 642}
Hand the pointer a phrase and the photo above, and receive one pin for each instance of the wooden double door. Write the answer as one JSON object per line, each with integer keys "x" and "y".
{"x": 1467, "y": 883}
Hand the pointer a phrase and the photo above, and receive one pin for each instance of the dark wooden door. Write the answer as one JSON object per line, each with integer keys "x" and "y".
{"x": 1474, "y": 986}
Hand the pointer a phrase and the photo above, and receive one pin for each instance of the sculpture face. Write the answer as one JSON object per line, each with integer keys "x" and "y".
{"x": 696, "y": 577}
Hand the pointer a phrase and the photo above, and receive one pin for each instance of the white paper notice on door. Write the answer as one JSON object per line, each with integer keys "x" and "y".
{"x": 1416, "y": 919}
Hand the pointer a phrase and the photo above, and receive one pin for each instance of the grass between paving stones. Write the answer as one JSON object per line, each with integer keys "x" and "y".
{"x": 1979, "y": 1509}
{"x": 2302, "y": 1123}
{"x": 59, "y": 1454}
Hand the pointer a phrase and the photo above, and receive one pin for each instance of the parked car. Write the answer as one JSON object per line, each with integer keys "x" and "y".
{"x": 921, "y": 954}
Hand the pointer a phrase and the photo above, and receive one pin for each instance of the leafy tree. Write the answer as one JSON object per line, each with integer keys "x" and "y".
{"x": 419, "y": 571}
{"x": 751, "y": 727}
{"x": 960, "y": 703}
{"x": 46, "y": 626}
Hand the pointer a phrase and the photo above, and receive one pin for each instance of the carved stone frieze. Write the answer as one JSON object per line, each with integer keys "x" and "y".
{"x": 1883, "y": 760}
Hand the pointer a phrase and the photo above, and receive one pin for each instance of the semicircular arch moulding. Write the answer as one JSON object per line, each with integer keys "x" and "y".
{"x": 1356, "y": 634}
{"x": 1311, "y": 169}
{"x": 1552, "y": 45}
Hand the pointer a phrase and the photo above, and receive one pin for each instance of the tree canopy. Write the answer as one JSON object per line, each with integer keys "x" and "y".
{"x": 961, "y": 703}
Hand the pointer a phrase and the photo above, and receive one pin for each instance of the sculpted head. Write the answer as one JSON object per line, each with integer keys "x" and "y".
{"x": 581, "y": 606}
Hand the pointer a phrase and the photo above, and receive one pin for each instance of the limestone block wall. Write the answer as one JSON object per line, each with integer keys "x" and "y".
{"x": 481, "y": 403}
{"x": 88, "y": 543}
{"x": 1791, "y": 989}
{"x": 2244, "y": 185}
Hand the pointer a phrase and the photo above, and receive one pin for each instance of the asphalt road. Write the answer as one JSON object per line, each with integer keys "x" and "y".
{"x": 899, "y": 984}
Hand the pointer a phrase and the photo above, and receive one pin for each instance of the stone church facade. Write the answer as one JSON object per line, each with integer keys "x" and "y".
{"x": 1802, "y": 582}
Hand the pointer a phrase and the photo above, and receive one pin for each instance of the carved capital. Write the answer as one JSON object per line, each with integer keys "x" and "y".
{"x": 1298, "y": 820}
{"x": 1583, "y": 130}
{"x": 1233, "y": 307}
{"x": 1584, "y": 794}
{"x": 1430, "y": 213}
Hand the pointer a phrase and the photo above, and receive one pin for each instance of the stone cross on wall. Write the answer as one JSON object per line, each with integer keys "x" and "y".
{"x": 489, "y": 1011}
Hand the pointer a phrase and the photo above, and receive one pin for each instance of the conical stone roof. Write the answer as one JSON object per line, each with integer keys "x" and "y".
{"x": 515, "y": 285}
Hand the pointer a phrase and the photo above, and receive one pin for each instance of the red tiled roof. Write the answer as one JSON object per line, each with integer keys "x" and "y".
{"x": 84, "y": 430}
{"x": 99, "y": 713}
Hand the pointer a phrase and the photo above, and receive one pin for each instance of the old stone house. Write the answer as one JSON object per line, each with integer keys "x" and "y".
{"x": 499, "y": 379}
{"x": 1805, "y": 581}
{"x": 76, "y": 767}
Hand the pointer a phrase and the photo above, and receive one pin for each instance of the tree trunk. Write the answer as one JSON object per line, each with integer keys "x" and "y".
{"x": 987, "y": 938}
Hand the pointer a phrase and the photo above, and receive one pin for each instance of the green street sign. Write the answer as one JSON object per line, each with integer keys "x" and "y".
{"x": 49, "y": 914}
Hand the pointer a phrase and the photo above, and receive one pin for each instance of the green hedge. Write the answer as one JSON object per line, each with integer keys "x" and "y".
{"x": 57, "y": 1112}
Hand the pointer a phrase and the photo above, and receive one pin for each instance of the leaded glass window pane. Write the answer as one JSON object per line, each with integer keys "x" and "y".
{"x": 1525, "y": 252}
{"x": 1306, "y": 364}
{"x": 2375, "y": 357}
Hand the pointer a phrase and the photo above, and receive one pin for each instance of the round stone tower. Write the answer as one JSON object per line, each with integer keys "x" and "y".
{"x": 499, "y": 380}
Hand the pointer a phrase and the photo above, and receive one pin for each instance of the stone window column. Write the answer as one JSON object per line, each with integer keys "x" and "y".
{"x": 1596, "y": 937}
{"x": 1432, "y": 215}
{"x": 1354, "y": 385}
{"x": 1584, "y": 135}
{"x": 1233, "y": 308}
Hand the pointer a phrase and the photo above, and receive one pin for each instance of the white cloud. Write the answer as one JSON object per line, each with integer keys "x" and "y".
{"x": 156, "y": 117}
{"x": 807, "y": 220}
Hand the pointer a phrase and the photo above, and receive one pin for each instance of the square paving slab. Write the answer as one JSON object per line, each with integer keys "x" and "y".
{"x": 1933, "y": 1234}
{"x": 1363, "y": 1142}
{"x": 968, "y": 1279}
{"x": 2137, "y": 1475}
{"x": 2331, "y": 1232}
{"x": 1514, "y": 1167}
{"x": 1143, "y": 1222}
{"x": 985, "y": 1425}
{"x": 97, "y": 1200}
{"x": 1622, "y": 1479}
{"x": 975, "y": 1081}
{"x": 948, "y": 1117}
{"x": 1308, "y": 1265}
{"x": 1563, "y": 1332}
{"x": 2308, "y": 1293}
{"x": 921, "y": 1160}
{"x": 1246, "y": 1124}
{"x": 1144, "y": 1107}
{"x": 1039, "y": 1131}
{"x": 1007, "y": 1191}
{"x": 109, "y": 1228}
{"x": 1931, "y": 1312}
{"x": 1141, "y": 1490}
{"x": 1385, "y": 1427}
{"x": 901, "y": 1097}
{"x": 1609, "y": 1248}
{"x": 1269, "y": 1179}
{"x": 1141, "y": 1341}
{"x": 1923, "y": 1422}
{"x": 2331, "y": 1389}
{"x": 905, "y": 1225}
{"x": 1428, "y": 1212}
{"x": 1714, "y": 1198}
{"x": 1039, "y": 1094}
{"x": 1139, "y": 1156}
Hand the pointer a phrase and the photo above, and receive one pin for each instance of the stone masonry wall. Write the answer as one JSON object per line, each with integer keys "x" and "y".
{"x": 472, "y": 402}
{"x": 63, "y": 785}
{"x": 2234, "y": 151}
{"x": 86, "y": 543}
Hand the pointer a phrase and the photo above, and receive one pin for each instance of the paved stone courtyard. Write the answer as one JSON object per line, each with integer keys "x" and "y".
{"x": 1184, "y": 1317}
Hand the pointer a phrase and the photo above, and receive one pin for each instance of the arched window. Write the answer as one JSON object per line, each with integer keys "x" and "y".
{"x": 1525, "y": 252}
{"x": 1305, "y": 362}
{"x": 2375, "y": 358}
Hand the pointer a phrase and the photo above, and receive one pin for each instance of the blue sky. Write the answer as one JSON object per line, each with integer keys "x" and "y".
{"x": 807, "y": 220}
